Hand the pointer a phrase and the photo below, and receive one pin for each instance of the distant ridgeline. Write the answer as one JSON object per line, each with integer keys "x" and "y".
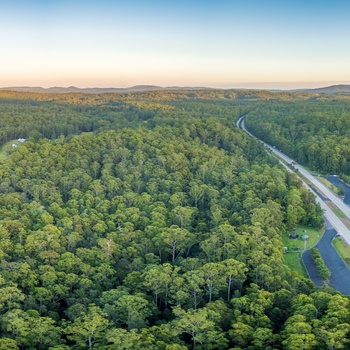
{"x": 50, "y": 115}
{"x": 148, "y": 220}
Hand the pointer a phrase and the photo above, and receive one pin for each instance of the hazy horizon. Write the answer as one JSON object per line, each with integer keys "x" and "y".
{"x": 262, "y": 85}
{"x": 221, "y": 43}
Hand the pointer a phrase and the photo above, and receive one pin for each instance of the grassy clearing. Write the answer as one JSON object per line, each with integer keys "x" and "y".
{"x": 342, "y": 249}
{"x": 298, "y": 244}
{"x": 295, "y": 263}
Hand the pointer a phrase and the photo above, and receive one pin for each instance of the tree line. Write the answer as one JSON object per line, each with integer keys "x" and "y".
{"x": 315, "y": 133}
{"x": 163, "y": 235}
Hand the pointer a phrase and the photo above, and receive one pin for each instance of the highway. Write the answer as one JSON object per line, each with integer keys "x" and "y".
{"x": 328, "y": 213}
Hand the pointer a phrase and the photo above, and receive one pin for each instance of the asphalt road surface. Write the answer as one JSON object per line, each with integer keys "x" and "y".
{"x": 340, "y": 273}
{"x": 318, "y": 186}
{"x": 339, "y": 183}
{"x": 340, "y": 277}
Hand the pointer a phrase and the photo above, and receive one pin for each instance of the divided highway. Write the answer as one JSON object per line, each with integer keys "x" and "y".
{"x": 318, "y": 186}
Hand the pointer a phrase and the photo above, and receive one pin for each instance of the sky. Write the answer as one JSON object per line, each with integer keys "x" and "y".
{"x": 214, "y": 43}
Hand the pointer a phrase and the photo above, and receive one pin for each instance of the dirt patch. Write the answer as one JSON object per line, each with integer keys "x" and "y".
{"x": 346, "y": 222}
{"x": 331, "y": 205}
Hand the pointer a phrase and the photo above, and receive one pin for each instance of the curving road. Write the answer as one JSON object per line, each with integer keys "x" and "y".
{"x": 318, "y": 187}
{"x": 340, "y": 273}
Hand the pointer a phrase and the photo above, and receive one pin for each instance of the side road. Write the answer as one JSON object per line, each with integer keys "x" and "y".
{"x": 340, "y": 273}
{"x": 317, "y": 187}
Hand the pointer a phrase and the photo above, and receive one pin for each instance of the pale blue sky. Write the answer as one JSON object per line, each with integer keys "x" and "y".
{"x": 216, "y": 43}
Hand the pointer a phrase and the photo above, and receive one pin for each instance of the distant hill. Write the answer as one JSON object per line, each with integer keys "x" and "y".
{"x": 136, "y": 88}
{"x": 333, "y": 89}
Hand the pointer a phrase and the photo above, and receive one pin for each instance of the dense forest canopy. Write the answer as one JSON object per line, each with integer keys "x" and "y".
{"x": 314, "y": 132}
{"x": 38, "y": 115}
{"x": 149, "y": 221}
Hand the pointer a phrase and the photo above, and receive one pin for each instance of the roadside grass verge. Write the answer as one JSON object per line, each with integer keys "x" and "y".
{"x": 295, "y": 263}
{"x": 339, "y": 213}
{"x": 345, "y": 178}
{"x": 342, "y": 249}
{"x": 333, "y": 188}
